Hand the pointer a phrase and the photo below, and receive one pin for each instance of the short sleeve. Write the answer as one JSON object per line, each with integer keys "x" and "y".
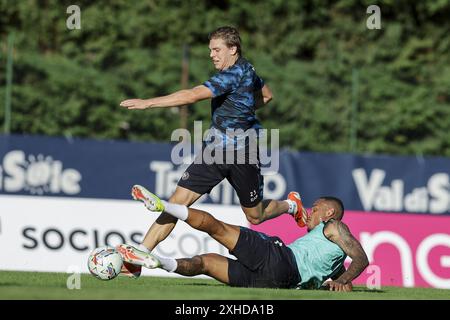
{"x": 259, "y": 83}
{"x": 223, "y": 82}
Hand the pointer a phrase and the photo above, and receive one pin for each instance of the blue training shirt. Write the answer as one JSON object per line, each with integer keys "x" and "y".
{"x": 233, "y": 103}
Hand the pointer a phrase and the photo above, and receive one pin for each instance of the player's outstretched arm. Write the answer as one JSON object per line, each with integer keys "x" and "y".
{"x": 176, "y": 99}
{"x": 339, "y": 233}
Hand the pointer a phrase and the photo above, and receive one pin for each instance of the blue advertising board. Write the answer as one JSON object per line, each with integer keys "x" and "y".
{"x": 51, "y": 166}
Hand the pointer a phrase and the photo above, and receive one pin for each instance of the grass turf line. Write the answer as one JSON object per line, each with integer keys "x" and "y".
{"x": 40, "y": 285}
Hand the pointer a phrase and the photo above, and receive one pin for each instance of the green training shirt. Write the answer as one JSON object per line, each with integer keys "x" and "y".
{"x": 317, "y": 258}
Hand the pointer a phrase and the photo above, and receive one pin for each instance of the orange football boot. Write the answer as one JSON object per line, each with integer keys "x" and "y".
{"x": 301, "y": 214}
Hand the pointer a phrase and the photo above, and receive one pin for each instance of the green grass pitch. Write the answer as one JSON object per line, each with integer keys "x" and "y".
{"x": 38, "y": 285}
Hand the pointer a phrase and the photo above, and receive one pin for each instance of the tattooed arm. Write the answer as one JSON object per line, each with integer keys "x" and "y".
{"x": 339, "y": 233}
{"x": 339, "y": 273}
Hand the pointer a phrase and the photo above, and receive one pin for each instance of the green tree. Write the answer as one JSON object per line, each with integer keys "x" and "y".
{"x": 70, "y": 82}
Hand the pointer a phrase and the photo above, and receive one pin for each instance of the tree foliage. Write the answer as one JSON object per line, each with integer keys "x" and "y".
{"x": 70, "y": 82}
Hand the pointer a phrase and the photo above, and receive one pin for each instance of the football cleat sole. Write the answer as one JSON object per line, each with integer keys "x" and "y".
{"x": 151, "y": 201}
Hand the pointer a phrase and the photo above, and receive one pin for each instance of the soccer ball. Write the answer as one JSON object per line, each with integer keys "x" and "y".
{"x": 105, "y": 263}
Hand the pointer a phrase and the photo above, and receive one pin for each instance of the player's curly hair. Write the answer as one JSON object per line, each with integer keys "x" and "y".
{"x": 230, "y": 35}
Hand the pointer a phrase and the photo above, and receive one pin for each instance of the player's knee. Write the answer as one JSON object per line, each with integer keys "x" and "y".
{"x": 208, "y": 262}
{"x": 254, "y": 220}
{"x": 184, "y": 196}
{"x": 254, "y": 215}
{"x": 181, "y": 198}
{"x": 177, "y": 199}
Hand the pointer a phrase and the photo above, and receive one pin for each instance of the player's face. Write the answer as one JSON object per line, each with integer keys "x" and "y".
{"x": 221, "y": 56}
{"x": 317, "y": 214}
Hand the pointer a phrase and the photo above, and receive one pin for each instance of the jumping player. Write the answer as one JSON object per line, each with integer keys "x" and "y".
{"x": 236, "y": 92}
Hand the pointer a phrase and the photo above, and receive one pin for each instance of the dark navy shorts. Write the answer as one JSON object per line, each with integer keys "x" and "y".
{"x": 262, "y": 262}
{"x": 245, "y": 178}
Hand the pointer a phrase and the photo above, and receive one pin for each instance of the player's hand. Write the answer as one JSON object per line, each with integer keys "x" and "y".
{"x": 135, "y": 104}
{"x": 338, "y": 286}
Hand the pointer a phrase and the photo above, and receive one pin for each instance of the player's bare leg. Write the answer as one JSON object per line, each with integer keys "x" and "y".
{"x": 269, "y": 209}
{"x": 224, "y": 233}
{"x": 135, "y": 258}
{"x": 211, "y": 264}
{"x": 165, "y": 223}
{"x": 266, "y": 209}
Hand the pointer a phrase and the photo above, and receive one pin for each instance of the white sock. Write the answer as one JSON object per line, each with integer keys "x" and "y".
{"x": 292, "y": 206}
{"x": 143, "y": 248}
{"x": 168, "y": 264}
{"x": 177, "y": 210}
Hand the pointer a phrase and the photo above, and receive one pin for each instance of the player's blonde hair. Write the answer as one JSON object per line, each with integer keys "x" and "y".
{"x": 230, "y": 35}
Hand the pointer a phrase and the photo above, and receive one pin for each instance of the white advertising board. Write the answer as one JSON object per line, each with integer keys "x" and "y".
{"x": 56, "y": 234}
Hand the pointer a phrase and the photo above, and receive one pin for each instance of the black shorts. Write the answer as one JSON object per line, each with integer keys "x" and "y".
{"x": 245, "y": 178}
{"x": 262, "y": 262}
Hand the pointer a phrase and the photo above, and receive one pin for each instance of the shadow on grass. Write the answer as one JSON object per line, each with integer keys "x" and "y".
{"x": 356, "y": 289}
{"x": 21, "y": 284}
{"x": 368, "y": 290}
{"x": 203, "y": 284}
{"x": 12, "y": 284}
